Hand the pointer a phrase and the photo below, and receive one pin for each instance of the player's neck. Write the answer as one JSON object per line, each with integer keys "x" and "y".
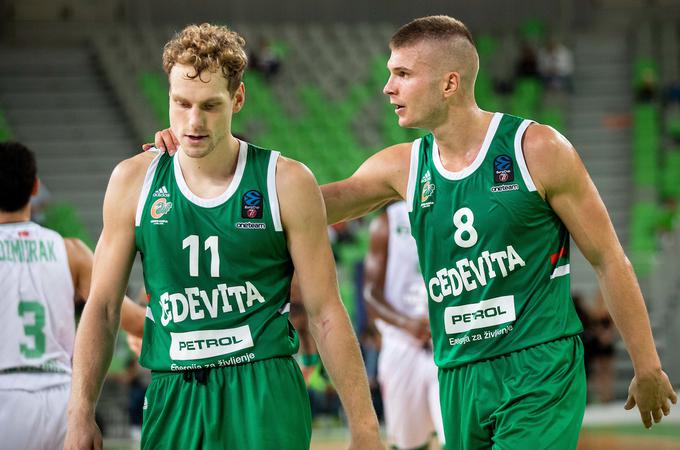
{"x": 23, "y": 215}
{"x": 460, "y": 137}
{"x": 210, "y": 175}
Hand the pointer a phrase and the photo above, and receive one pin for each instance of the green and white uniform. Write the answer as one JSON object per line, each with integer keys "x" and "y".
{"x": 36, "y": 337}
{"x": 495, "y": 259}
{"x": 217, "y": 272}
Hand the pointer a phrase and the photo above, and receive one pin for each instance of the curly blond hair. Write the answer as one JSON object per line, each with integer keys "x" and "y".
{"x": 208, "y": 47}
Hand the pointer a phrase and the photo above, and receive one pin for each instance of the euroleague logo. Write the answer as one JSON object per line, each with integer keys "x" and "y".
{"x": 251, "y": 205}
{"x": 160, "y": 208}
{"x": 503, "y": 169}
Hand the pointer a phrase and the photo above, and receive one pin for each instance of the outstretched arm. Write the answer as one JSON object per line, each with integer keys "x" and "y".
{"x": 99, "y": 324}
{"x": 80, "y": 259}
{"x": 303, "y": 218}
{"x": 381, "y": 179}
{"x": 564, "y": 182}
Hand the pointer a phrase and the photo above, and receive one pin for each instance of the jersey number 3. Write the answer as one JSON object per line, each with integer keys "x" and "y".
{"x": 34, "y": 330}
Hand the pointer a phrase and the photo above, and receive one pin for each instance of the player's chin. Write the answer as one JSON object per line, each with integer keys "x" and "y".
{"x": 404, "y": 122}
{"x": 194, "y": 148}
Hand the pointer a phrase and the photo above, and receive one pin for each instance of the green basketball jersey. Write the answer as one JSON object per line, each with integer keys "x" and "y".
{"x": 217, "y": 271}
{"x": 494, "y": 255}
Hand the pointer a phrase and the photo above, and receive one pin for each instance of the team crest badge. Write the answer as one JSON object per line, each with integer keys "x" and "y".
{"x": 251, "y": 205}
{"x": 160, "y": 207}
{"x": 426, "y": 190}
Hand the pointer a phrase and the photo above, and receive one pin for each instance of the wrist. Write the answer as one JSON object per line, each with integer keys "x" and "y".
{"x": 647, "y": 370}
{"x": 365, "y": 428}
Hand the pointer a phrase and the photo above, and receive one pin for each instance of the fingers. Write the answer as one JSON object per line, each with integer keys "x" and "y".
{"x": 171, "y": 142}
{"x": 674, "y": 397}
{"x": 146, "y": 147}
{"x": 666, "y": 408}
{"x": 657, "y": 415}
{"x": 630, "y": 403}
{"x": 646, "y": 418}
{"x": 158, "y": 141}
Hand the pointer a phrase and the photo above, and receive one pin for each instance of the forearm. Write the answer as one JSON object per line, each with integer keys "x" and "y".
{"x": 340, "y": 354}
{"x": 624, "y": 300}
{"x": 341, "y": 202}
{"x": 132, "y": 318}
{"x": 92, "y": 356}
{"x": 378, "y": 308}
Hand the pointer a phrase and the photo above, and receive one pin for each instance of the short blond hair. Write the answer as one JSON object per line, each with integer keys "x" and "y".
{"x": 434, "y": 28}
{"x": 208, "y": 47}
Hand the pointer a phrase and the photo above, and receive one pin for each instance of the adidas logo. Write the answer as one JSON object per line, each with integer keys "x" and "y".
{"x": 427, "y": 177}
{"x": 161, "y": 192}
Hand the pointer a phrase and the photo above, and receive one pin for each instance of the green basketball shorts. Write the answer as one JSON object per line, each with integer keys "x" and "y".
{"x": 256, "y": 406}
{"x": 529, "y": 399}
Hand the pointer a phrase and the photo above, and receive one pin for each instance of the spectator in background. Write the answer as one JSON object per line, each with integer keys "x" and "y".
{"x": 603, "y": 350}
{"x": 587, "y": 335}
{"x": 647, "y": 89}
{"x": 265, "y": 60}
{"x": 527, "y": 64}
{"x": 556, "y": 66}
{"x": 672, "y": 94}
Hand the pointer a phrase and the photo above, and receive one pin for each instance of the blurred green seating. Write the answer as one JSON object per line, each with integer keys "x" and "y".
{"x": 646, "y": 145}
{"x": 645, "y": 221}
{"x": 5, "y": 131}
{"x": 155, "y": 87}
{"x": 63, "y": 218}
{"x": 670, "y": 185}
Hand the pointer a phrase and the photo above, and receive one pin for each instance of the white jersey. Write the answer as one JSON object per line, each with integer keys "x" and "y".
{"x": 404, "y": 286}
{"x": 37, "y": 329}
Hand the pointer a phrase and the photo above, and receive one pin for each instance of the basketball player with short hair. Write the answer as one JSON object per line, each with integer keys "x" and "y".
{"x": 41, "y": 274}
{"x": 396, "y": 297}
{"x": 220, "y": 226}
{"x": 492, "y": 201}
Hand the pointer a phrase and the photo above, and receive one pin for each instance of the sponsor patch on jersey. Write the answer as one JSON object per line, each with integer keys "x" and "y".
{"x": 250, "y": 226}
{"x": 487, "y": 313}
{"x": 159, "y": 208}
{"x": 505, "y": 188}
{"x": 503, "y": 169}
{"x": 251, "y": 205}
{"x": 209, "y": 343}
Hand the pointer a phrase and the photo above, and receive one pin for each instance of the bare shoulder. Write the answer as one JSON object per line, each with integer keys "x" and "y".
{"x": 125, "y": 186}
{"x": 548, "y": 153}
{"x": 394, "y": 157}
{"x": 299, "y": 194}
{"x": 134, "y": 168}
{"x": 292, "y": 175}
{"x": 389, "y": 166}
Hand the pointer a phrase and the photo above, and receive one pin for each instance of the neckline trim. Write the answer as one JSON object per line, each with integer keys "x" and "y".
{"x": 490, "y": 133}
{"x": 223, "y": 197}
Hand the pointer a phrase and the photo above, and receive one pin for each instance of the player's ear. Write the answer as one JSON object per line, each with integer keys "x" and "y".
{"x": 239, "y": 98}
{"x": 451, "y": 84}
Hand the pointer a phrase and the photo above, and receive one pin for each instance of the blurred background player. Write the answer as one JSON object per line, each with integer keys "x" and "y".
{"x": 396, "y": 297}
{"x": 41, "y": 275}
